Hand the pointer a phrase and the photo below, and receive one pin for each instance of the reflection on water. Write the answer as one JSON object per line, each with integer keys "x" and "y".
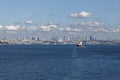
{"x": 74, "y": 54}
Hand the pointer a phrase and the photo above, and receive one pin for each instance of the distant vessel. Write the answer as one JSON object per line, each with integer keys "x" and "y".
{"x": 80, "y": 44}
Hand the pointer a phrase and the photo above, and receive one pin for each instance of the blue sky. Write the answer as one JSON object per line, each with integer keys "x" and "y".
{"x": 57, "y": 11}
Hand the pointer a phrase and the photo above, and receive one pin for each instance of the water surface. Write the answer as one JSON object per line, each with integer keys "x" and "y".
{"x": 59, "y": 62}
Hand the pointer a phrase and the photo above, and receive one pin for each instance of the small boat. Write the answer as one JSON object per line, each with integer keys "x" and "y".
{"x": 80, "y": 44}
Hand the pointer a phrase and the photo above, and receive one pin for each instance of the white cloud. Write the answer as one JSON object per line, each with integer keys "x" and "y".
{"x": 52, "y": 26}
{"x": 82, "y": 14}
{"x": 1, "y": 27}
{"x": 61, "y": 29}
{"x": 13, "y": 27}
{"x": 32, "y": 28}
{"x": 48, "y": 27}
{"x": 76, "y": 30}
{"x": 80, "y": 27}
{"x": 70, "y": 29}
{"x": 44, "y": 28}
{"x": 29, "y": 22}
{"x": 92, "y": 24}
{"x": 89, "y": 26}
{"x": 102, "y": 30}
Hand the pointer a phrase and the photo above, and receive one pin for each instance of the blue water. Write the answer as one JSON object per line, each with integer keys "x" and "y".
{"x": 59, "y": 62}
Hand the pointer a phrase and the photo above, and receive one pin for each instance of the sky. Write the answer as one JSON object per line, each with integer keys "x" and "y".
{"x": 44, "y": 11}
{"x": 62, "y": 12}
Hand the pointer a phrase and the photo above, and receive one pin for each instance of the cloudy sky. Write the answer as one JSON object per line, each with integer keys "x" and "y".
{"x": 17, "y": 16}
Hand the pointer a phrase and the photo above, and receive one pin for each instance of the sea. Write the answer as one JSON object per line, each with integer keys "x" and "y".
{"x": 59, "y": 62}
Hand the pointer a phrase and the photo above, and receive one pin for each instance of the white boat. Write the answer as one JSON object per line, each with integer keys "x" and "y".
{"x": 80, "y": 44}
